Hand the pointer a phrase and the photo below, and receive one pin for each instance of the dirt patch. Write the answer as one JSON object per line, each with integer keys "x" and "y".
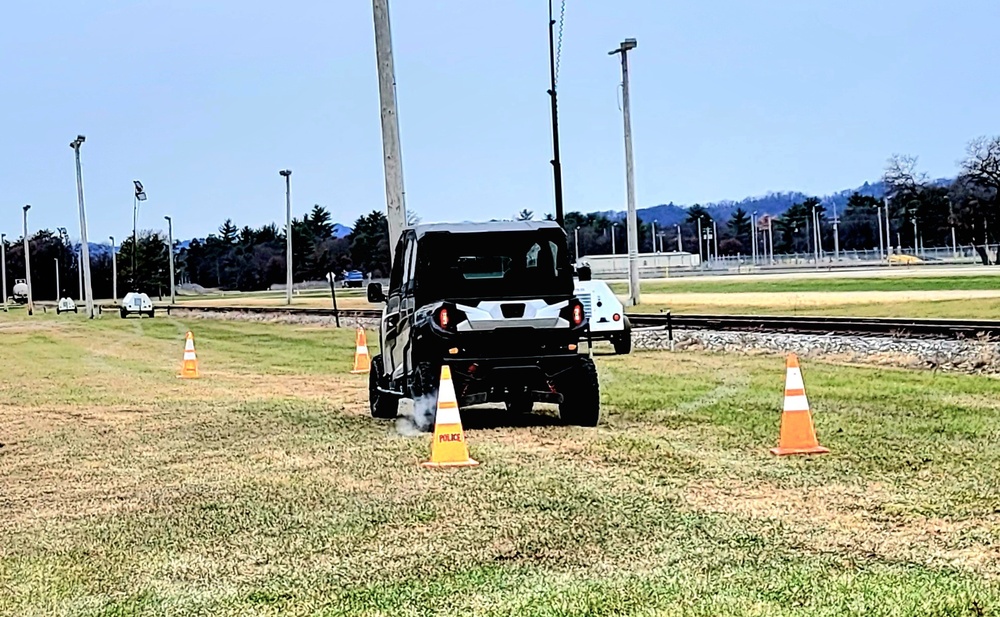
{"x": 860, "y": 521}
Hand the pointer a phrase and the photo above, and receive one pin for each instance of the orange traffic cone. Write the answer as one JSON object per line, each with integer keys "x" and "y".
{"x": 189, "y": 370}
{"x": 362, "y": 361}
{"x": 797, "y": 433}
{"x": 448, "y": 449}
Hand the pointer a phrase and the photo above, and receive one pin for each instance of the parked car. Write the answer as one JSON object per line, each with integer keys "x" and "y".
{"x": 135, "y": 303}
{"x": 65, "y": 306}
{"x": 353, "y": 278}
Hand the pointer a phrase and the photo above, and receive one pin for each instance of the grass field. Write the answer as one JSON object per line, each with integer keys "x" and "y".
{"x": 265, "y": 489}
{"x": 826, "y": 283}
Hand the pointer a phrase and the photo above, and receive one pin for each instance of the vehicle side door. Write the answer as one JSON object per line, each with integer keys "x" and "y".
{"x": 407, "y": 306}
{"x": 390, "y": 316}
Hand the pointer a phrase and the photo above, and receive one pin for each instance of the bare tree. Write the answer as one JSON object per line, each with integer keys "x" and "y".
{"x": 525, "y": 215}
{"x": 901, "y": 175}
{"x": 982, "y": 162}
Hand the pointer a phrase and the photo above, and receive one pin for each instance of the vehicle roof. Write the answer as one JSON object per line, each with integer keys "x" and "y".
{"x": 494, "y": 226}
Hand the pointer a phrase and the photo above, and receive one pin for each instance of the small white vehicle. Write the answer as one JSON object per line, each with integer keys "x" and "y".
{"x": 65, "y": 306}
{"x": 135, "y": 303}
{"x": 606, "y": 314}
{"x": 20, "y": 294}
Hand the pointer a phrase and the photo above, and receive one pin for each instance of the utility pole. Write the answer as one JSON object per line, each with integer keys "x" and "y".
{"x": 114, "y": 272}
{"x": 170, "y": 253}
{"x": 916, "y": 244}
{"x": 881, "y": 237}
{"x": 770, "y": 238}
{"x": 84, "y": 247}
{"x": 653, "y": 224}
{"x": 613, "y": 225}
{"x": 836, "y": 235}
{"x": 753, "y": 237}
{"x": 700, "y": 243}
{"x": 680, "y": 244}
{"x": 556, "y": 161}
{"x": 58, "y": 287}
{"x": 395, "y": 197}
{"x": 576, "y": 242}
{"x": 79, "y": 275}
{"x": 27, "y": 262}
{"x": 954, "y": 243}
{"x": 819, "y": 237}
{"x": 888, "y": 231}
{"x": 3, "y": 268}
{"x": 287, "y": 174}
{"x": 715, "y": 236}
{"x": 631, "y": 229}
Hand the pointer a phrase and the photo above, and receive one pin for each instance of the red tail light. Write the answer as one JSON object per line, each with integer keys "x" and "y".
{"x": 577, "y": 314}
{"x": 617, "y": 317}
{"x": 443, "y": 318}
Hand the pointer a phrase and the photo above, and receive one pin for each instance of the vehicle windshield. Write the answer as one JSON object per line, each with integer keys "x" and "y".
{"x": 528, "y": 264}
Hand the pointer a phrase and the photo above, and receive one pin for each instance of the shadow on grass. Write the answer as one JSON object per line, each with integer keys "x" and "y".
{"x": 496, "y": 416}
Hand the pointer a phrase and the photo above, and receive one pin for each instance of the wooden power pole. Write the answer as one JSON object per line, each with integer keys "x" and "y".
{"x": 394, "y": 194}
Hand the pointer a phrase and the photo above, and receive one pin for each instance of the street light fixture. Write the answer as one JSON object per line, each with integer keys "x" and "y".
{"x": 632, "y": 227}
{"x": 287, "y": 175}
{"x": 3, "y": 268}
{"x": 114, "y": 271}
{"x": 84, "y": 246}
{"x": 140, "y": 195}
{"x": 27, "y": 262}
{"x": 170, "y": 253}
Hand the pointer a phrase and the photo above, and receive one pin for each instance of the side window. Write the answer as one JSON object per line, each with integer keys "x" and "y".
{"x": 411, "y": 263}
{"x": 396, "y": 276}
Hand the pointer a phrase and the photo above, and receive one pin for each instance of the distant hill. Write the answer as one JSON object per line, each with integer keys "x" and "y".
{"x": 773, "y": 204}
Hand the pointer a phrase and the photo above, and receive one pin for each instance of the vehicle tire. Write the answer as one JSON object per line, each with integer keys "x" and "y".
{"x": 623, "y": 343}
{"x": 424, "y": 384}
{"x": 150, "y": 314}
{"x": 58, "y": 312}
{"x": 382, "y": 405}
{"x": 77, "y": 311}
{"x": 123, "y": 313}
{"x": 581, "y": 392}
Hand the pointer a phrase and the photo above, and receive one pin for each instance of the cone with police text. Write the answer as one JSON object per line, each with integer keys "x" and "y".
{"x": 362, "y": 361}
{"x": 189, "y": 369}
{"x": 797, "y": 433}
{"x": 448, "y": 449}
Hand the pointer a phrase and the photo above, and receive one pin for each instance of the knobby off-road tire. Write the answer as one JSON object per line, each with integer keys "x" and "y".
{"x": 581, "y": 392}
{"x": 424, "y": 384}
{"x": 383, "y": 405}
{"x": 623, "y": 343}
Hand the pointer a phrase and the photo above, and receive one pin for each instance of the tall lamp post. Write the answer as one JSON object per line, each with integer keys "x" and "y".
{"x": 3, "y": 268}
{"x": 680, "y": 243}
{"x": 287, "y": 175}
{"x": 27, "y": 262}
{"x": 58, "y": 287}
{"x": 633, "y": 232}
{"x": 84, "y": 247}
{"x": 114, "y": 272}
{"x": 140, "y": 195}
{"x": 170, "y": 254}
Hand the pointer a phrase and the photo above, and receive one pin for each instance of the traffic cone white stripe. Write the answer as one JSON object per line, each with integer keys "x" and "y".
{"x": 796, "y": 403}
{"x": 793, "y": 380}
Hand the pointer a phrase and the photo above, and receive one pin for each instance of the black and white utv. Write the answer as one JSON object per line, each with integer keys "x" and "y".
{"x": 496, "y": 303}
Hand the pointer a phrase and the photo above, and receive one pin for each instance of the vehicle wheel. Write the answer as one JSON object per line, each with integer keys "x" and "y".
{"x": 581, "y": 392}
{"x": 424, "y": 383}
{"x": 150, "y": 314}
{"x": 623, "y": 343}
{"x": 58, "y": 312}
{"x": 382, "y": 405}
{"x": 77, "y": 311}
{"x": 123, "y": 313}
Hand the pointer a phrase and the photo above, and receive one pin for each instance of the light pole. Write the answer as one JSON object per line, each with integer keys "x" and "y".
{"x": 576, "y": 242}
{"x": 715, "y": 235}
{"x": 753, "y": 237}
{"x": 140, "y": 195}
{"x": 79, "y": 275}
{"x": 701, "y": 257}
{"x": 27, "y": 262}
{"x": 613, "y": 226}
{"x": 836, "y": 235}
{"x": 881, "y": 237}
{"x": 888, "y": 231}
{"x": 816, "y": 232}
{"x": 680, "y": 244}
{"x": 632, "y": 227}
{"x": 3, "y": 268}
{"x": 58, "y": 287}
{"x": 170, "y": 255}
{"x": 84, "y": 247}
{"x": 770, "y": 238}
{"x": 287, "y": 175}
{"x": 114, "y": 272}
{"x": 653, "y": 224}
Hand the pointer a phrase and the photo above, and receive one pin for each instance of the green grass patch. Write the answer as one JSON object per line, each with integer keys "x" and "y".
{"x": 264, "y": 488}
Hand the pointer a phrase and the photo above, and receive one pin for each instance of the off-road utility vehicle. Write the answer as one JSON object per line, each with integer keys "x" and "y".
{"x": 493, "y": 301}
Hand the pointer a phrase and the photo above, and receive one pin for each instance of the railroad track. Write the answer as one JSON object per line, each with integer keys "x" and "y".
{"x": 792, "y": 324}
{"x": 855, "y": 326}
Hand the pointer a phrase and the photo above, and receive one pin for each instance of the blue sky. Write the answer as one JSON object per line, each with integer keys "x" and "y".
{"x": 206, "y": 101}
